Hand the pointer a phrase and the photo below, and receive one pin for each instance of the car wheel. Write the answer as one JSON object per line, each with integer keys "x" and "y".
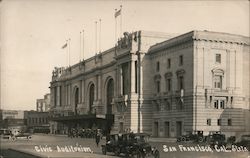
{"x": 13, "y": 138}
{"x": 156, "y": 154}
{"x": 183, "y": 139}
{"x": 29, "y": 137}
{"x": 117, "y": 151}
{"x": 104, "y": 151}
{"x": 200, "y": 139}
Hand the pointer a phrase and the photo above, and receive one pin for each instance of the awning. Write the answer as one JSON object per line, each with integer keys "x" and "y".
{"x": 84, "y": 117}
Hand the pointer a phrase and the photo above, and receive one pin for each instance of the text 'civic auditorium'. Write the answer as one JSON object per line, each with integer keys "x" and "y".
{"x": 162, "y": 84}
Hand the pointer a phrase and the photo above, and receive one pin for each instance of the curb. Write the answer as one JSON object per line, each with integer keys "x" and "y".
{"x": 27, "y": 153}
{"x": 162, "y": 140}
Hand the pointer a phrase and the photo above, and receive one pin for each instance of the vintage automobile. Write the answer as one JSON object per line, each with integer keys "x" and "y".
{"x": 244, "y": 141}
{"x": 3, "y": 131}
{"x": 14, "y": 135}
{"x": 130, "y": 144}
{"x": 196, "y": 136}
{"x": 218, "y": 139}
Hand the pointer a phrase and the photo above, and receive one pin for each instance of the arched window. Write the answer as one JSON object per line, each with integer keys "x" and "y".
{"x": 218, "y": 75}
{"x": 91, "y": 97}
{"x": 76, "y": 99}
{"x": 110, "y": 95}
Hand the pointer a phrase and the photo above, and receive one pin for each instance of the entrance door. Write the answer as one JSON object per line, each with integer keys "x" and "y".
{"x": 156, "y": 129}
{"x": 167, "y": 128}
{"x": 91, "y": 98}
{"x": 121, "y": 127}
{"x": 110, "y": 95}
{"x": 178, "y": 128}
{"x": 76, "y": 99}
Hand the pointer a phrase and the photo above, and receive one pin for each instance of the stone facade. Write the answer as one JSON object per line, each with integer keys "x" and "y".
{"x": 158, "y": 83}
{"x": 204, "y": 81}
{"x": 43, "y": 105}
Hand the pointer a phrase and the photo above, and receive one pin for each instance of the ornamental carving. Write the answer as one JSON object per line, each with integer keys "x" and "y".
{"x": 157, "y": 77}
{"x": 168, "y": 75}
{"x": 217, "y": 71}
{"x": 180, "y": 72}
{"x": 126, "y": 41}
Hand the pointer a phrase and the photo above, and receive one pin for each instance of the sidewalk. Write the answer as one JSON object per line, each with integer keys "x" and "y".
{"x": 152, "y": 139}
{"x": 169, "y": 140}
{"x": 56, "y": 154}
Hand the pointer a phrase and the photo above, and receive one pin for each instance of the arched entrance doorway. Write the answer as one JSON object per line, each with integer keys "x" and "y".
{"x": 110, "y": 95}
{"x": 76, "y": 99}
{"x": 91, "y": 97}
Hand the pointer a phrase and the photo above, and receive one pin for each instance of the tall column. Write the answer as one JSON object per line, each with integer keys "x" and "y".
{"x": 83, "y": 91}
{"x": 132, "y": 76}
{"x": 99, "y": 87}
{"x": 70, "y": 91}
{"x": 121, "y": 80}
{"x": 80, "y": 92}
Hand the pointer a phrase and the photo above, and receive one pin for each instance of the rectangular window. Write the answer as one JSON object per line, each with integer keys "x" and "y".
{"x": 158, "y": 86}
{"x": 229, "y": 122}
{"x": 158, "y": 66}
{"x": 218, "y": 58}
{"x": 169, "y": 86}
{"x": 216, "y": 104}
{"x": 181, "y": 60}
{"x": 219, "y": 122}
{"x": 218, "y": 81}
{"x": 222, "y": 104}
{"x": 209, "y": 122}
{"x": 181, "y": 82}
{"x": 169, "y": 63}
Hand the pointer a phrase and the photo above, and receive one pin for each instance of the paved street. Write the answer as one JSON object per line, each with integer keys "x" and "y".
{"x": 53, "y": 146}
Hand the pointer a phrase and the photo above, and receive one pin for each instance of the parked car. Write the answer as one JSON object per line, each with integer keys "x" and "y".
{"x": 130, "y": 144}
{"x": 218, "y": 139}
{"x": 16, "y": 135}
{"x": 3, "y": 131}
{"x": 244, "y": 141}
{"x": 197, "y": 136}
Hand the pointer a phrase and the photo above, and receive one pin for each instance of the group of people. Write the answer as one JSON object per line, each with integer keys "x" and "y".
{"x": 86, "y": 133}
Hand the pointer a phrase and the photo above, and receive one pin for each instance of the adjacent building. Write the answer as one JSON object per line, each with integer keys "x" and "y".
{"x": 26, "y": 121}
{"x": 162, "y": 84}
{"x": 12, "y": 119}
{"x": 43, "y": 105}
{"x": 37, "y": 122}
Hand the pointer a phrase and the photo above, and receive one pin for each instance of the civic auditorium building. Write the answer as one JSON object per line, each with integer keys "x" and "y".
{"x": 161, "y": 84}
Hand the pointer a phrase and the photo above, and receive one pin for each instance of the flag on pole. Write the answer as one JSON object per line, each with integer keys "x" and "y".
{"x": 117, "y": 13}
{"x": 64, "y": 46}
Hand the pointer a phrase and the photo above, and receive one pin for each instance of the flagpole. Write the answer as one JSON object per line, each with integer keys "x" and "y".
{"x": 115, "y": 27}
{"x": 80, "y": 55}
{"x": 95, "y": 37}
{"x": 82, "y": 44}
{"x": 66, "y": 54}
{"x": 69, "y": 51}
{"x": 100, "y": 35}
{"x": 121, "y": 21}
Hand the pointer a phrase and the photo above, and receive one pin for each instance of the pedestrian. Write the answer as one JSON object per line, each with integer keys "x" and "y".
{"x": 97, "y": 138}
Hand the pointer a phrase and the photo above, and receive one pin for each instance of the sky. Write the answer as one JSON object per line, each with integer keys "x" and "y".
{"x": 32, "y": 34}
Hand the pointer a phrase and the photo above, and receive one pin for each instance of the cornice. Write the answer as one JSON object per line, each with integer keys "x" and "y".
{"x": 94, "y": 71}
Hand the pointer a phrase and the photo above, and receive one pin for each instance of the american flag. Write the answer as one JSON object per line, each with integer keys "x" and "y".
{"x": 117, "y": 13}
{"x": 64, "y": 46}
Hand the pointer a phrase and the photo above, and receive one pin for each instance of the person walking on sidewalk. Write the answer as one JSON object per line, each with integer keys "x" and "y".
{"x": 97, "y": 138}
